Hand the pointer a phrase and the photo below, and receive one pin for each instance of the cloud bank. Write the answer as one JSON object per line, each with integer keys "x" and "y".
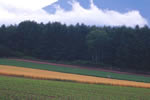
{"x": 15, "y": 11}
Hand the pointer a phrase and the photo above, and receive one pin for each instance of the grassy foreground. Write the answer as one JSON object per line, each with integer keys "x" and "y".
{"x": 12, "y": 88}
{"x": 75, "y": 70}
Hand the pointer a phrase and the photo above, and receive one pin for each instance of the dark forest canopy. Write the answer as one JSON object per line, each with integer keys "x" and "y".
{"x": 122, "y": 47}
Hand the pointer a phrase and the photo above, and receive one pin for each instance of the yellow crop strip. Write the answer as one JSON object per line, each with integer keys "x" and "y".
{"x": 43, "y": 74}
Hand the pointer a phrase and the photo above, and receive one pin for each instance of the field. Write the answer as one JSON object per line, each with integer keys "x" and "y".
{"x": 12, "y": 88}
{"x": 75, "y": 70}
{"x": 67, "y": 83}
{"x": 43, "y": 74}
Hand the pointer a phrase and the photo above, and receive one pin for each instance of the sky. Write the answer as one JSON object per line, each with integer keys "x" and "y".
{"x": 126, "y": 5}
{"x": 97, "y": 12}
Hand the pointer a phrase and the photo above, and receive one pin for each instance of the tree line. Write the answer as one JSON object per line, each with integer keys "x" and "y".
{"x": 121, "y": 47}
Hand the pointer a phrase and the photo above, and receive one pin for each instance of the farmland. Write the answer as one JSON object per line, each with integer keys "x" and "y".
{"x": 74, "y": 70}
{"x": 52, "y": 82}
{"x": 29, "y": 89}
{"x": 43, "y": 74}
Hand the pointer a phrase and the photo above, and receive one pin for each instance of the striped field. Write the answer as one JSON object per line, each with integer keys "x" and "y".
{"x": 75, "y": 70}
{"x": 43, "y": 74}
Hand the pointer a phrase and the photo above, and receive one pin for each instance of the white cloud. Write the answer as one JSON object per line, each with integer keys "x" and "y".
{"x": 15, "y": 11}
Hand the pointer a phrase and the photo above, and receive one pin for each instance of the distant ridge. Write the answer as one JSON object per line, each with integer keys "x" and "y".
{"x": 66, "y": 5}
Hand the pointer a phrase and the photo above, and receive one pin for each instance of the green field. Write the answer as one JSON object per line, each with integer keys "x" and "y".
{"x": 13, "y": 88}
{"x": 75, "y": 70}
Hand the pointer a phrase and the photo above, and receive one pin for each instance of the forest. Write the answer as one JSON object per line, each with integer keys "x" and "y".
{"x": 122, "y": 48}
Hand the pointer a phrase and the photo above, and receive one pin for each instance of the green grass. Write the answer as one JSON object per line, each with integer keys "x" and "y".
{"x": 75, "y": 70}
{"x": 14, "y": 88}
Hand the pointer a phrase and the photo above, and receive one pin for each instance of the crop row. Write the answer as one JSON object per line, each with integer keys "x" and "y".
{"x": 47, "y": 75}
{"x": 49, "y": 67}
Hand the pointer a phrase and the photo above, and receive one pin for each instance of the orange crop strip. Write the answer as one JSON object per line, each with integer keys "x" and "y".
{"x": 43, "y": 74}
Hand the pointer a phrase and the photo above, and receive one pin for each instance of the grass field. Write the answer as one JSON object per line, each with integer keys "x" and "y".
{"x": 75, "y": 70}
{"x": 12, "y": 88}
{"x": 51, "y": 75}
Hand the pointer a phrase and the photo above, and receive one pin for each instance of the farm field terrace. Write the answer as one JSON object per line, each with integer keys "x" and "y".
{"x": 14, "y": 88}
{"x": 74, "y": 70}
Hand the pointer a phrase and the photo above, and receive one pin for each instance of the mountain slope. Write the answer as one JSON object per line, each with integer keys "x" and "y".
{"x": 66, "y": 5}
{"x": 118, "y": 5}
